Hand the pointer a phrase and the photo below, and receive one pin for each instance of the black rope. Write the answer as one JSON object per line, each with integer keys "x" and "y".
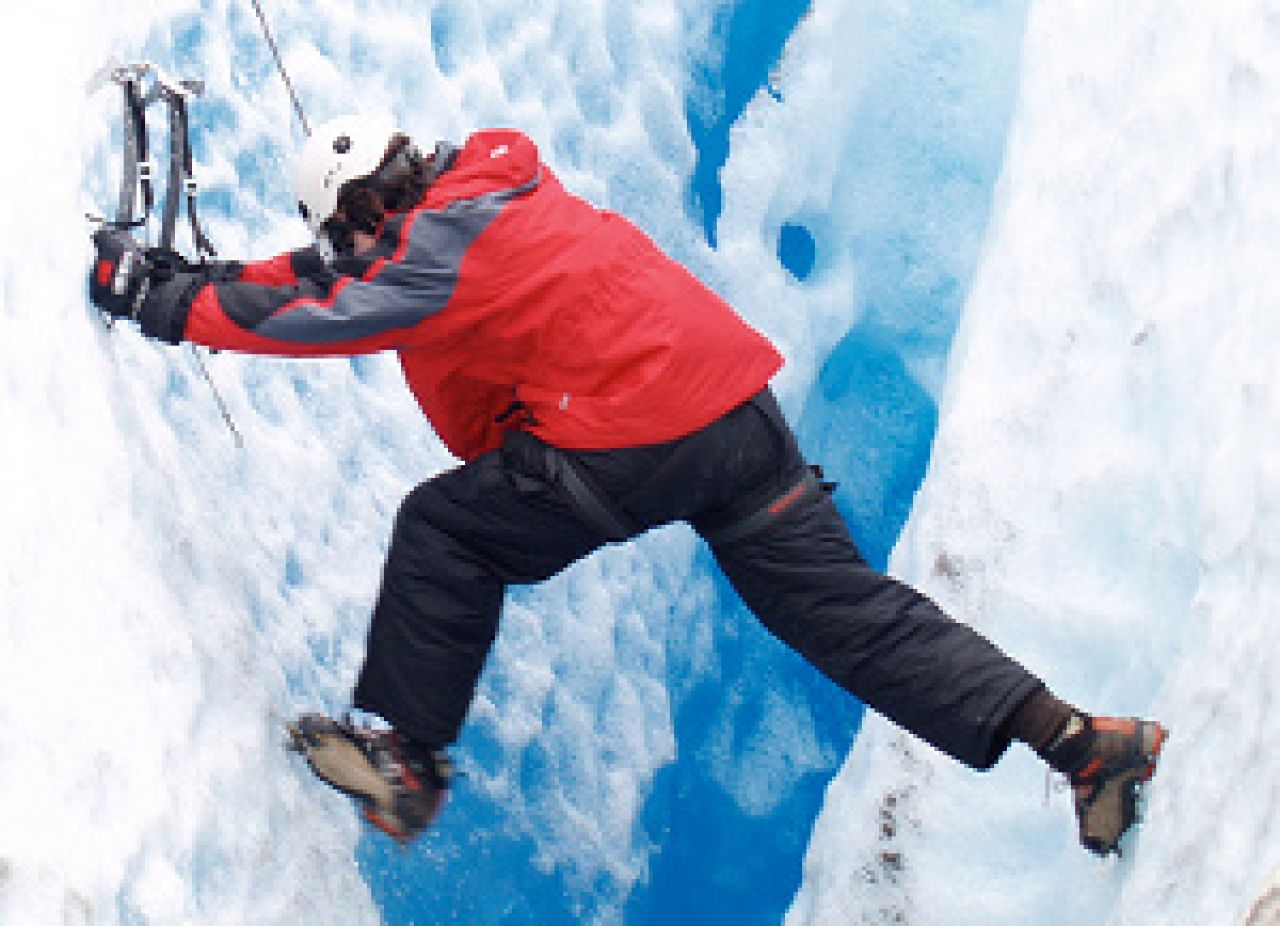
{"x": 275, "y": 52}
{"x": 217, "y": 397}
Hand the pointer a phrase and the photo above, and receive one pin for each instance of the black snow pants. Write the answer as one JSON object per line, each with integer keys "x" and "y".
{"x": 526, "y": 511}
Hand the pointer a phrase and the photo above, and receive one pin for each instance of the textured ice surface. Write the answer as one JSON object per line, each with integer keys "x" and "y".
{"x": 1102, "y": 498}
{"x": 168, "y": 598}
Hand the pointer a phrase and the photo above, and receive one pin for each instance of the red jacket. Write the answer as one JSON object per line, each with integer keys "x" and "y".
{"x": 512, "y": 303}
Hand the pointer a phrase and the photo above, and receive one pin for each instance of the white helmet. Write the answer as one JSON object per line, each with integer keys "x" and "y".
{"x": 340, "y": 150}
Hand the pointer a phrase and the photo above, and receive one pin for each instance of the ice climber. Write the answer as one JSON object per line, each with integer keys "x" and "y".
{"x": 594, "y": 389}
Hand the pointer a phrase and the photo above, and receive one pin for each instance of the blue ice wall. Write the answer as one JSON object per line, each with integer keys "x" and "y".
{"x": 912, "y": 209}
{"x": 925, "y": 190}
{"x": 922, "y": 192}
{"x": 746, "y": 41}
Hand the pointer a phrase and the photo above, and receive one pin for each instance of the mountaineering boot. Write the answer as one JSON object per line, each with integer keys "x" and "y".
{"x": 1117, "y": 756}
{"x": 399, "y": 788}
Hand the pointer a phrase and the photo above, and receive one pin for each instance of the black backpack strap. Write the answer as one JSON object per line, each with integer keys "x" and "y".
{"x": 181, "y": 180}
{"x": 135, "y": 162}
{"x": 202, "y": 244}
{"x": 592, "y": 505}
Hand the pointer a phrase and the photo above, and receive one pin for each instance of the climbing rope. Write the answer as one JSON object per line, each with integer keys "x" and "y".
{"x": 275, "y": 53}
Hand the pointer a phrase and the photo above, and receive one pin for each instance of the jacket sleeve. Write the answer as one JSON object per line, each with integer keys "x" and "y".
{"x": 281, "y": 270}
{"x": 297, "y": 305}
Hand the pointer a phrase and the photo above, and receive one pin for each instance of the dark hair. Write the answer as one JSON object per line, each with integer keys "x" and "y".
{"x": 398, "y": 183}
{"x": 401, "y": 178}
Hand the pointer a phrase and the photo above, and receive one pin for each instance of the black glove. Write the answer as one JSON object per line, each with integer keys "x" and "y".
{"x": 152, "y": 286}
{"x": 163, "y": 312}
{"x": 120, "y": 278}
{"x": 166, "y": 263}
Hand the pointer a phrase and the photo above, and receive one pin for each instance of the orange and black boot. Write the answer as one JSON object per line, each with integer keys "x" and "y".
{"x": 399, "y": 787}
{"x": 1116, "y": 757}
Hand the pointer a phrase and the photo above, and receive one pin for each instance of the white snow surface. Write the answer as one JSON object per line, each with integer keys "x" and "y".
{"x": 169, "y": 598}
{"x": 1103, "y": 496}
